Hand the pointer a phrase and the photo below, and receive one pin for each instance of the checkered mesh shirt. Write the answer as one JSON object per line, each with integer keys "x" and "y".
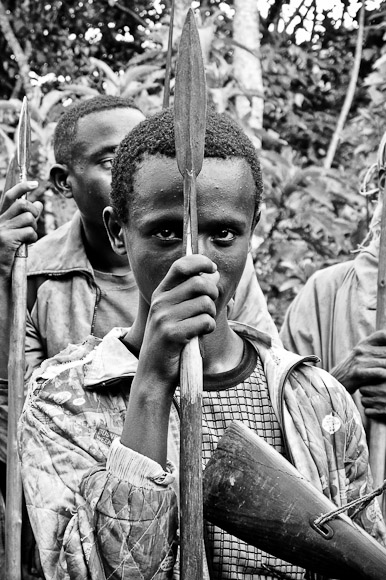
{"x": 241, "y": 394}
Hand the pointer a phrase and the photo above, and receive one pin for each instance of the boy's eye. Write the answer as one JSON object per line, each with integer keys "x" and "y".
{"x": 106, "y": 163}
{"x": 224, "y": 236}
{"x": 166, "y": 235}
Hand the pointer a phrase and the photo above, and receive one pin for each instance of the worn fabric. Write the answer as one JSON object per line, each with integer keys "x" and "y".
{"x": 64, "y": 296}
{"x": 335, "y": 309}
{"x": 100, "y": 510}
{"x": 112, "y": 309}
{"x": 244, "y": 399}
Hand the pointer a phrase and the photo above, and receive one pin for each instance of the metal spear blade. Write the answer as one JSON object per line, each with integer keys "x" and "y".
{"x": 190, "y": 100}
{"x": 24, "y": 140}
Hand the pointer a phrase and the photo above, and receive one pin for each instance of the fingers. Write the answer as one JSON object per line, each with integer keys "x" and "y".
{"x": 182, "y": 322}
{"x": 183, "y": 305}
{"x": 19, "y": 207}
{"x": 374, "y": 400}
{"x": 377, "y": 338}
{"x": 16, "y": 192}
{"x": 18, "y": 225}
{"x": 186, "y": 268}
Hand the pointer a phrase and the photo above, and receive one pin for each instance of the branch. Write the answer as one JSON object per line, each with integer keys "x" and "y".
{"x": 302, "y": 17}
{"x": 350, "y": 92}
{"x": 274, "y": 12}
{"x": 132, "y": 14}
{"x": 16, "y": 49}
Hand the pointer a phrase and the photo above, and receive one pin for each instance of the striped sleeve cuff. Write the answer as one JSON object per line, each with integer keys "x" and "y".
{"x": 136, "y": 469}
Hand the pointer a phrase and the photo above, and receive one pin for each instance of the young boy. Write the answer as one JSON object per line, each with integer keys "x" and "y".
{"x": 99, "y": 436}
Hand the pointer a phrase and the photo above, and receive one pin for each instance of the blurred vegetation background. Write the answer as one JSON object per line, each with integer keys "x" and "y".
{"x": 305, "y": 78}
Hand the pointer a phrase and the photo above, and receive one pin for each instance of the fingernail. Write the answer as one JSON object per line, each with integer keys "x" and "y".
{"x": 214, "y": 267}
{"x": 32, "y": 184}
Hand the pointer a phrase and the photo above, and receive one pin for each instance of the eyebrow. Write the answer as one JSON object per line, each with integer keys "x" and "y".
{"x": 104, "y": 150}
{"x": 101, "y": 150}
{"x": 175, "y": 217}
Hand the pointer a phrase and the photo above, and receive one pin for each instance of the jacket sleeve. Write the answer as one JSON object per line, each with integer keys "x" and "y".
{"x": 249, "y": 305}
{"x": 328, "y": 445}
{"x": 35, "y": 352}
{"x": 301, "y": 329}
{"x": 113, "y": 519}
{"x": 359, "y": 477}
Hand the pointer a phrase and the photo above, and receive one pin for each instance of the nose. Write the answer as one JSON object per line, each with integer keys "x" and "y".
{"x": 203, "y": 246}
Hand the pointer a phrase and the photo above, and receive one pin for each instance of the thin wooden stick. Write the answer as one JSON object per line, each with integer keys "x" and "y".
{"x": 16, "y": 370}
{"x": 377, "y": 443}
{"x": 190, "y": 118}
{"x": 168, "y": 70}
{"x": 349, "y": 93}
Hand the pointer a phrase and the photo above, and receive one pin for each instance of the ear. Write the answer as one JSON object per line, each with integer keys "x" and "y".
{"x": 59, "y": 179}
{"x": 256, "y": 220}
{"x": 114, "y": 231}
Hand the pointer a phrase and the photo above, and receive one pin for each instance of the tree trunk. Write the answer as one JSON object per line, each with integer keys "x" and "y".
{"x": 16, "y": 49}
{"x": 350, "y": 92}
{"x": 247, "y": 67}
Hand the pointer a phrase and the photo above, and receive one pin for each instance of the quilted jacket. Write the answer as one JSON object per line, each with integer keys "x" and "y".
{"x": 101, "y": 511}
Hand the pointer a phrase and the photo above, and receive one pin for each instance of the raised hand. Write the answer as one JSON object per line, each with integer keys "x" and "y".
{"x": 18, "y": 223}
{"x": 365, "y": 369}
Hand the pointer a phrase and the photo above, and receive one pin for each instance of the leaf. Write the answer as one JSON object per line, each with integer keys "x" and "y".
{"x": 108, "y": 71}
{"x": 50, "y": 100}
{"x": 134, "y": 73}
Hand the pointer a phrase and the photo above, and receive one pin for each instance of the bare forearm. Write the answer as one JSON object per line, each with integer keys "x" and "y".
{"x": 146, "y": 426}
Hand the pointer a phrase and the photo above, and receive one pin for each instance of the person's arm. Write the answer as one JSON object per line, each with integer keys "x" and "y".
{"x": 122, "y": 517}
{"x": 301, "y": 331}
{"x": 35, "y": 352}
{"x": 18, "y": 224}
{"x": 91, "y": 519}
{"x": 358, "y": 475}
{"x": 365, "y": 367}
{"x": 182, "y": 307}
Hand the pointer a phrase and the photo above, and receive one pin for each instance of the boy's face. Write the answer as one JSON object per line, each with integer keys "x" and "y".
{"x": 153, "y": 234}
{"x": 98, "y": 136}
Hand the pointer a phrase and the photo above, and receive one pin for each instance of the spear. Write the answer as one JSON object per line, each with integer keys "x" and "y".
{"x": 16, "y": 369}
{"x": 189, "y": 123}
{"x": 377, "y": 444}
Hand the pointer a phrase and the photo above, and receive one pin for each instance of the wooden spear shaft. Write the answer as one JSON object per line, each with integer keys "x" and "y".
{"x": 377, "y": 443}
{"x": 16, "y": 371}
{"x": 190, "y": 117}
{"x": 377, "y": 446}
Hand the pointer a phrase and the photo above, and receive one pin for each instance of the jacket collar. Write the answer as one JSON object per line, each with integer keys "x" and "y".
{"x": 60, "y": 252}
{"x": 366, "y": 269}
{"x": 111, "y": 360}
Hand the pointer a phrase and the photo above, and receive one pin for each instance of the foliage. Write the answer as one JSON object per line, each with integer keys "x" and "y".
{"x": 311, "y": 218}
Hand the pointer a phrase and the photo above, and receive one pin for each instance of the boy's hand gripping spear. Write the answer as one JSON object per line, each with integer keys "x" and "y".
{"x": 16, "y": 370}
{"x": 189, "y": 123}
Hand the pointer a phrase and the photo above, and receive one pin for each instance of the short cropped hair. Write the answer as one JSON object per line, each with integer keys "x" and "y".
{"x": 66, "y": 129}
{"x": 223, "y": 139}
